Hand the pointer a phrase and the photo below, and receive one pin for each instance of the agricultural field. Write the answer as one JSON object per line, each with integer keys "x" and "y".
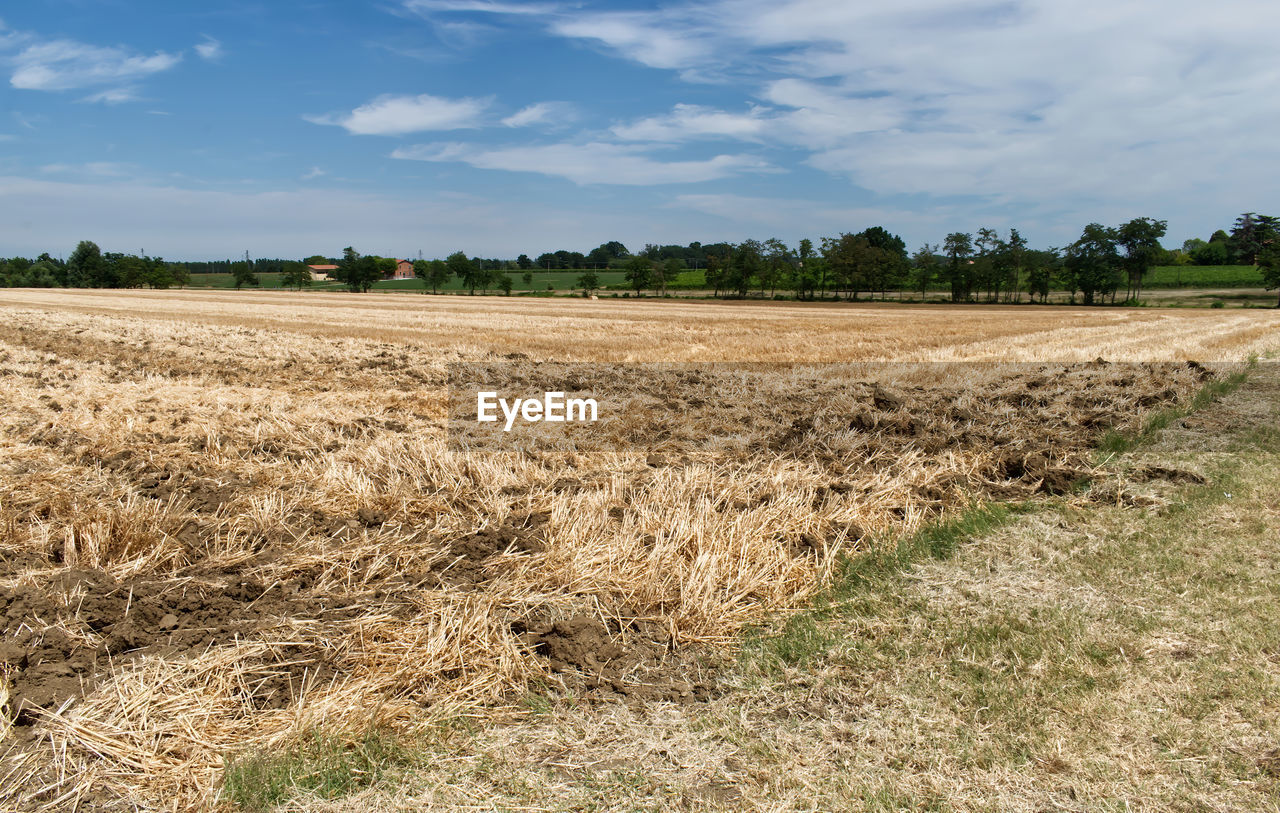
{"x": 1204, "y": 276}
{"x": 229, "y": 520}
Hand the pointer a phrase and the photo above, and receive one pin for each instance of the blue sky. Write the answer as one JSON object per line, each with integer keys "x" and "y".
{"x": 498, "y": 127}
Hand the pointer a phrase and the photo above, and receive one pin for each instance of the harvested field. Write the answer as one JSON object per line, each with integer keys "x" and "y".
{"x": 228, "y": 519}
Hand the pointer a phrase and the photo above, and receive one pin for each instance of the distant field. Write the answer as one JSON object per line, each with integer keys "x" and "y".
{"x": 558, "y": 280}
{"x": 1204, "y": 276}
{"x": 1161, "y": 277}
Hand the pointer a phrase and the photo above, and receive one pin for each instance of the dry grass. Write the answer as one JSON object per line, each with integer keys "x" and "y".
{"x": 228, "y": 519}
{"x": 1071, "y": 658}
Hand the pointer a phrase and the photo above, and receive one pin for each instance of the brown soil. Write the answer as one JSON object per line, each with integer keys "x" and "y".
{"x": 61, "y": 638}
{"x": 635, "y": 663}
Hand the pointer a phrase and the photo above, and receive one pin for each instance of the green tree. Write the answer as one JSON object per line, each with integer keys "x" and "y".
{"x": 588, "y": 281}
{"x": 639, "y": 273}
{"x": 605, "y": 254}
{"x": 1269, "y": 263}
{"x": 242, "y": 274}
{"x": 84, "y": 266}
{"x": 745, "y": 262}
{"x": 958, "y": 247}
{"x": 504, "y": 283}
{"x": 296, "y": 276}
{"x": 925, "y": 266}
{"x": 1214, "y": 252}
{"x": 1139, "y": 239}
{"x": 1007, "y": 266}
{"x": 527, "y": 279}
{"x": 1042, "y": 267}
{"x": 804, "y": 275}
{"x": 1251, "y": 233}
{"x": 1093, "y": 263}
{"x": 386, "y": 267}
{"x": 358, "y": 272}
{"x": 464, "y": 269}
{"x": 523, "y": 262}
{"x": 778, "y": 262}
{"x": 668, "y": 271}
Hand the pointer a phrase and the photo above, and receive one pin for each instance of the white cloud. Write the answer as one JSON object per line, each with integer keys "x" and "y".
{"x": 209, "y": 50}
{"x": 316, "y": 172}
{"x": 642, "y": 36}
{"x": 1091, "y": 103}
{"x": 396, "y": 115}
{"x": 483, "y": 6}
{"x": 113, "y": 96}
{"x": 67, "y": 65}
{"x": 688, "y": 121}
{"x": 542, "y": 113}
{"x": 593, "y": 163}
{"x": 102, "y": 169}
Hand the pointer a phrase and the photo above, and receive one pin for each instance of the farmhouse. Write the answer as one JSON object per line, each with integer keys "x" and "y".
{"x": 321, "y": 273}
{"x": 404, "y": 270}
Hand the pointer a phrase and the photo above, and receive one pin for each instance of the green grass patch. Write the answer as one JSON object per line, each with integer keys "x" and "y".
{"x": 1203, "y": 276}
{"x": 1116, "y": 442}
{"x": 320, "y": 764}
{"x": 560, "y": 281}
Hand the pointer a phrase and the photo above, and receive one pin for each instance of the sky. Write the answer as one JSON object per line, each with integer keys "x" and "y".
{"x": 500, "y": 127}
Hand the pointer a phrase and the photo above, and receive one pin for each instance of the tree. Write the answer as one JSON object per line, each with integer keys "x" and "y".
{"x": 588, "y": 281}
{"x": 296, "y": 276}
{"x": 1214, "y": 252}
{"x": 1250, "y": 235}
{"x": 670, "y": 270}
{"x": 242, "y": 274}
{"x": 433, "y": 273}
{"x": 778, "y": 261}
{"x": 639, "y": 272}
{"x": 84, "y": 266}
{"x": 925, "y": 266}
{"x": 356, "y": 271}
{"x": 504, "y": 282}
{"x": 606, "y": 253}
{"x": 524, "y": 262}
{"x": 1140, "y": 241}
{"x": 805, "y": 276}
{"x": 317, "y": 259}
{"x": 958, "y": 247}
{"x": 1093, "y": 263}
{"x": 464, "y": 269}
{"x": 1042, "y": 266}
{"x": 527, "y": 278}
{"x": 744, "y": 264}
{"x": 1269, "y": 263}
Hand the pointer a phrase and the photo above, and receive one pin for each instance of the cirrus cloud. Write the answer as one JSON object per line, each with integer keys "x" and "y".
{"x": 591, "y": 163}
{"x": 397, "y": 115}
{"x": 68, "y": 65}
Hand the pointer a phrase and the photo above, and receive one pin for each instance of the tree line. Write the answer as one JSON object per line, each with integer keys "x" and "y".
{"x": 983, "y": 266}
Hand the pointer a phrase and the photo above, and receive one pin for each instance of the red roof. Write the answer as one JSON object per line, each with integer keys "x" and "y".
{"x": 323, "y": 267}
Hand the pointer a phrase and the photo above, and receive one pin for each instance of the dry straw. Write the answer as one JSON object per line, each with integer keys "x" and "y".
{"x": 273, "y": 472}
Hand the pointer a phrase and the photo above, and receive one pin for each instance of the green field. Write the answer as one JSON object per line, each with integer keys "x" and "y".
{"x": 1203, "y": 276}
{"x": 561, "y": 281}
{"x": 1160, "y": 277}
